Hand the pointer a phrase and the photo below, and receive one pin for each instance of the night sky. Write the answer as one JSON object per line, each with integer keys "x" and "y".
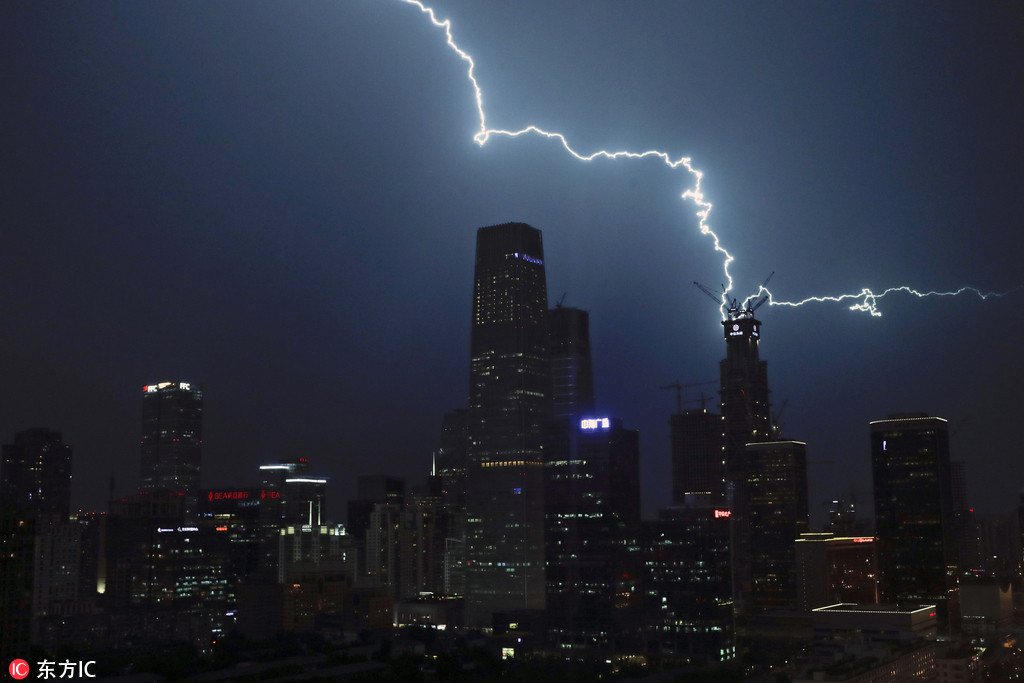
{"x": 278, "y": 200}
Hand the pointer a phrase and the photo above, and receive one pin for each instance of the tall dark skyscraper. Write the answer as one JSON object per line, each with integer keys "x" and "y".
{"x": 745, "y": 405}
{"x": 746, "y": 419}
{"x": 687, "y": 585}
{"x": 172, "y": 440}
{"x": 35, "y": 473}
{"x": 572, "y": 375}
{"x": 509, "y": 395}
{"x": 450, "y": 462}
{"x": 592, "y": 510}
{"x": 914, "y": 511}
{"x": 777, "y": 487}
{"x": 698, "y": 459}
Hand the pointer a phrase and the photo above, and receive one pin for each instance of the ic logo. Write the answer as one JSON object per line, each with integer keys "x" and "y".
{"x": 19, "y": 669}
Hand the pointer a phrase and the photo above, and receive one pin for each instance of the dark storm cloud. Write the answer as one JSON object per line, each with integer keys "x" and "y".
{"x": 278, "y": 200}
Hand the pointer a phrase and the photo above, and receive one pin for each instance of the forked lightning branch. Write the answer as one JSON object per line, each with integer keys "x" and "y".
{"x": 865, "y": 300}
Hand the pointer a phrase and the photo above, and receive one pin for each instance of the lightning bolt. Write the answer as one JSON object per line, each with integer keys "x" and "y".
{"x": 866, "y": 300}
{"x": 692, "y": 193}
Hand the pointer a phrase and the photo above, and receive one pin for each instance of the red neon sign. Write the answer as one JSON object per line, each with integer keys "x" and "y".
{"x": 228, "y": 495}
{"x": 722, "y": 513}
{"x": 269, "y": 494}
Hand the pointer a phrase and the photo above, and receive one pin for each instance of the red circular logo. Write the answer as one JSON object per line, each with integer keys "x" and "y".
{"x": 19, "y": 669}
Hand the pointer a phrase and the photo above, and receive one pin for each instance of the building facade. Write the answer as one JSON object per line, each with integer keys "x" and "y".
{"x": 591, "y": 510}
{"x": 35, "y": 473}
{"x": 698, "y": 460}
{"x": 450, "y": 462}
{"x": 172, "y": 440}
{"x": 831, "y": 569}
{"x": 914, "y": 515}
{"x": 777, "y": 488}
{"x": 687, "y": 590}
{"x": 746, "y": 418}
{"x": 572, "y": 373}
{"x": 509, "y": 394}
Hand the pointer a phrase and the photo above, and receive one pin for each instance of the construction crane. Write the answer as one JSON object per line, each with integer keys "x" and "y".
{"x": 757, "y": 304}
{"x": 679, "y": 391}
{"x": 702, "y": 400}
{"x": 732, "y": 306}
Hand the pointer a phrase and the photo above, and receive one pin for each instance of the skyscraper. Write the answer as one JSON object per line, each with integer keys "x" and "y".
{"x": 746, "y": 419}
{"x": 698, "y": 460}
{"x": 572, "y": 375}
{"x": 35, "y": 473}
{"x": 509, "y": 392}
{"x": 686, "y": 583}
{"x": 591, "y": 509}
{"x": 914, "y": 516}
{"x": 450, "y": 462}
{"x": 777, "y": 504}
{"x": 172, "y": 440}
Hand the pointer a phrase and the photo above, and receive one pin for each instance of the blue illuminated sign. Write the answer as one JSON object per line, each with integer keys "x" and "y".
{"x": 529, "y": 259}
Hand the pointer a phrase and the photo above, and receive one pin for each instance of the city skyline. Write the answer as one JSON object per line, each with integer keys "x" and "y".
{"x": 280, "y": 226}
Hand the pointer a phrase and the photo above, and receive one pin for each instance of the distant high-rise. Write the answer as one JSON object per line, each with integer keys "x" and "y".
{"x": 18, "y": 540}
{"x": 686, "y": 584}
{"x": 452, "y": 455}
{"x": 964, "y": 538}
{"x": 450, "y": 461}
{"x": 592, "y": 511}
{"x": 509, "y": 394}
{"x": 746, "y": 419}
{"x": 35, "y": 473}
{"x": 777, "y": 504}
{"x": 831, "y": 569}
{"x": 373, "y": 519}
{"x": 698, "y": 460}
{"x": 914, "y": 515}
{"x": 172, "y": 440}
{"x": 572, "y": 375}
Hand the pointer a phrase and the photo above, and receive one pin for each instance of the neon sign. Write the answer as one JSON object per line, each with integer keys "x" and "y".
{"x": 595, "y": 423}
{"x": 227, "y": 495}
{"x": 153, "y": 388}
{"x": 719, "y": 514}
{"x": 528, "y": 259}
